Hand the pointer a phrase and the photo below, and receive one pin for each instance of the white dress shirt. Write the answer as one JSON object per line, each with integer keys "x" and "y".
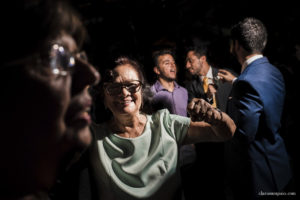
{"x": 250, "y": 60}
{"x": 209, "y": 75}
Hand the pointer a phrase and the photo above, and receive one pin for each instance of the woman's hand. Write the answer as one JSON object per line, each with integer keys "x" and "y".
{"x": 208, "y": 124}
{"x": 200, "y": 110}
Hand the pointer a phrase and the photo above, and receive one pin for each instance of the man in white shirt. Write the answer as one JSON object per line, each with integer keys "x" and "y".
{"x": 209, "y": 184}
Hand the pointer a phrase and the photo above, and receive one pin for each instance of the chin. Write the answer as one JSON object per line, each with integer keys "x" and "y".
{"x": 84, "y": 137}
{"x": 127, "y": 111}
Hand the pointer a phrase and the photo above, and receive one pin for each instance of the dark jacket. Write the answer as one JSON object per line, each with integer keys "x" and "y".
{"x": 259, "y": 160}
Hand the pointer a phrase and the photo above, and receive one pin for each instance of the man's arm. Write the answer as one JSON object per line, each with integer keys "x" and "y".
{"x": 246, "y": 110}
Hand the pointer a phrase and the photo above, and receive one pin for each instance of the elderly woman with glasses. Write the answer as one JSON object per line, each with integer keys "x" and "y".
{"x": 135, "y": 155}
{"x": 45, "y": 102}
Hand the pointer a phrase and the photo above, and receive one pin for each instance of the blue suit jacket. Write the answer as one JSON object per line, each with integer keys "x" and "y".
{"x": 257, "y": 151}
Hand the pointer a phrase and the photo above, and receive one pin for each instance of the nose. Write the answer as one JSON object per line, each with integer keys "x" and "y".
{"x": 124, "y": 91}
{"x": 173, "y": 64}
{"x": 84, "y": 75}
{"x": 187, "y": 65}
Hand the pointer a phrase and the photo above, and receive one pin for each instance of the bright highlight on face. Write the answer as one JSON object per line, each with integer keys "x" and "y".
{"x": 167, "y": 67}
{"x": 123, "y": 95}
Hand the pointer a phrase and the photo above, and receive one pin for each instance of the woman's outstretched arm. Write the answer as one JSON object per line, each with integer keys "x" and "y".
{"x": 208, "y": 124}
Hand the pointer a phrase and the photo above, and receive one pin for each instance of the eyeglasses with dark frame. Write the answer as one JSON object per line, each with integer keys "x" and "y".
{"x": 116, "y": 88}
{"x": 60, "y": 60}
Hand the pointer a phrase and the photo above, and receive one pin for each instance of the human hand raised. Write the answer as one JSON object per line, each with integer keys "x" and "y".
{"x": 225, "y": 75}
{"x": 200, "y": 110}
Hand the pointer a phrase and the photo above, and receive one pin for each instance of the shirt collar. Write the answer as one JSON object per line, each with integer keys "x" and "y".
{"x": 209, "y": 75}
{"x": 158, "y": 86}
{"x": 250, "y": 60}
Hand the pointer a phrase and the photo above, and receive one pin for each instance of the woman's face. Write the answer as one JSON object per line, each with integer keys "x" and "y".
{"x": 52, "y": 117}
{"x": 124, "y": 96}
{"x": 67, "y": 99}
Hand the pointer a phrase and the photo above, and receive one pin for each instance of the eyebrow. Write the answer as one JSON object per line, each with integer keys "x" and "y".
{"x": 126, "y": 81}
{"x": 168, "y": 61}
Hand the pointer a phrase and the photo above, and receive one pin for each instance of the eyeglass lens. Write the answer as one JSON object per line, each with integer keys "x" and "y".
{"x": 116, "y": 88}
{"x": 60, "y": 60}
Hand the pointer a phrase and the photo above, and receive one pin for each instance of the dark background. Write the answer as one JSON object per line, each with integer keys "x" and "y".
{"x": 137, "y": 27}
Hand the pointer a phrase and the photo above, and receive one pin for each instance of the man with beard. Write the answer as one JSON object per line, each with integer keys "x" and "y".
{"x": 210, "y": 155}
{"x": 198, "y": 65}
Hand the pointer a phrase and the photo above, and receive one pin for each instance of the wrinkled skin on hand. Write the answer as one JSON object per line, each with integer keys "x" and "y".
{"x": 200, "y": 110}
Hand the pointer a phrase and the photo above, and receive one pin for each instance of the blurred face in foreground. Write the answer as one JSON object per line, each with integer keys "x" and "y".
{"x": 51, "y": 119}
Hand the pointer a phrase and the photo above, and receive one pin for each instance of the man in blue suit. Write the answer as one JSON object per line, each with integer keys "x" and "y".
{"x": 257, "y": 160}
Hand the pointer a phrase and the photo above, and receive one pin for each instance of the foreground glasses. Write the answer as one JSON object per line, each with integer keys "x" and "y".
{"x": 59, "y": 59}
{"x": 62, "y": 61}
{"x": 116, "y": 88}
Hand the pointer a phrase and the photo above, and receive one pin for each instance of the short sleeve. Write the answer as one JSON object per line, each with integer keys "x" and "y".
{"x": 176, "y": 126}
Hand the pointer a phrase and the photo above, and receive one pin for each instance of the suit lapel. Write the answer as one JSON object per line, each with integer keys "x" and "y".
{"x": 201, "y": 90}
{"x": 215, "y": 74}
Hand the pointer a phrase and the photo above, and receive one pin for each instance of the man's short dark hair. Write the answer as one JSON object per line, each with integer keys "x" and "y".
{"x": 201, "y": 48}
{"x": 161, "y": 52}
{"x": 251, "y": 35}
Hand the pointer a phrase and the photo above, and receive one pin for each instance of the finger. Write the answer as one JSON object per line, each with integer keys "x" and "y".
{"x": 209, "y": 115}
{"x": 204, "y": 105}
{"x": 191, "y": 107}
{"x": 214, "y": 115}
{"x": 197, "y": 108}
{"x": 211, "y": 89}
{"x": 192, "y": 103}
{"x": 218, "y": 115}
{"x": 222, "y": 71}
{"x": 220, "y": 76}
{"x": 196, "y": 113}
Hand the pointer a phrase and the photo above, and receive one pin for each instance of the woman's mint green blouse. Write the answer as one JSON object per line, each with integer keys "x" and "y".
{"x": 144, "y": 167}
